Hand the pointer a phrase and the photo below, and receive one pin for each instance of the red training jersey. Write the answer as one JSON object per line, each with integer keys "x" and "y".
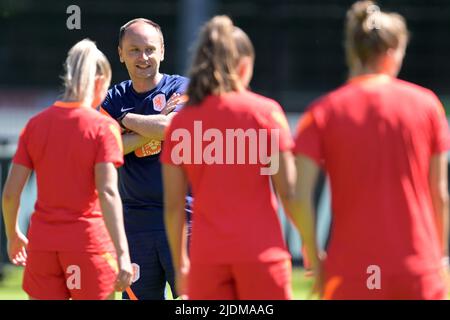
{"x": 235, "y": 210}
{"x": 374, "y": 137}
{"x": 62, "y": 144}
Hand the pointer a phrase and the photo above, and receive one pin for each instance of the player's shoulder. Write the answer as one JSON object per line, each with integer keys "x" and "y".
{"x": 41, "y": 117}
{"x": 348, "y": 90}
{"x": 267, "y": 112}
{"x": 322, "y": 102}
{"x": 258, "y": 101}
{"x": 90, "y": 117}
{"x": 390, "y": 85}
{"x": 49, "y": 112}
{"x": 261, "y": 108}
{"x": 415, "y": 89}
{"x": 97, "y": 117}
{"x": 411, "y": 93}
{"x": 94, "y": 120}
{"x": 98, "y": 124}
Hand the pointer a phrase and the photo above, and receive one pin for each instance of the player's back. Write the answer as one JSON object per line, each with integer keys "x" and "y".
{"x": 62, "y": 144}
{"x": 233, "y": 199}
{"x": 231, "y": 112}
{"x": 378, "y": 138}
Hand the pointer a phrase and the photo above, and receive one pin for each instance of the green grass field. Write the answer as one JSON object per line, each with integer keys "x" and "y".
{"x": 11, "y": 287}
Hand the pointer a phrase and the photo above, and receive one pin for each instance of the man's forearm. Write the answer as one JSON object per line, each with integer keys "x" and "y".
{"x": 149, "y": 126}
{"x": 132, "y": 141}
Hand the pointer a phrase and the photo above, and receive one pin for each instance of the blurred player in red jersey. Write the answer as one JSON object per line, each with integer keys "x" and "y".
{"x": 77, "y": 227}
{"x": 383, "y": 144}
{"x": 237, "y": 249}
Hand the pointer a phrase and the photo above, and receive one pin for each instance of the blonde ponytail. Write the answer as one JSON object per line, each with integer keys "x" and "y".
{"x": 84, "y": 62}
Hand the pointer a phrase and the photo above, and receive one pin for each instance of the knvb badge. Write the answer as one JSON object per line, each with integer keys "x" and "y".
{"x": 159, "y": 102}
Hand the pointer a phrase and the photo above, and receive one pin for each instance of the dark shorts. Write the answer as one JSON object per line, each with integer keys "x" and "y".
{"x": 150, "y": 255}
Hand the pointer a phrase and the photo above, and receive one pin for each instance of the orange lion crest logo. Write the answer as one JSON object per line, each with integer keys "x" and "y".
{"x": 151, "y": 148}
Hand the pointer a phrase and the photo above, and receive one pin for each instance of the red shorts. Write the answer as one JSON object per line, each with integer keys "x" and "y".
{"x": 65, "y": 275}
{"x": 428, "y": 286}
{"x": 241, "y": 281}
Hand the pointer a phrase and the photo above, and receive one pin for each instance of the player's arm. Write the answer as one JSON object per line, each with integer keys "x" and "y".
{"x": 439, "y": 196}
{"x": 13, "y": 188}
{"x": 111, "y": 205}
{"x": 175, "y": 190}
{"x": 296, "y": 194}
{"x": 299, "y": 207}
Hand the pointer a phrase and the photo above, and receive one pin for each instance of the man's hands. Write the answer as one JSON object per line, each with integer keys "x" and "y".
{"x": 174, "y": 100}
{"x": 151, "y": 126}
{"x": 170, "y": 106}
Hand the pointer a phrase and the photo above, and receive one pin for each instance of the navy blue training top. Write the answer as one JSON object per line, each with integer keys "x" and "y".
{"x": 140, "y": 178}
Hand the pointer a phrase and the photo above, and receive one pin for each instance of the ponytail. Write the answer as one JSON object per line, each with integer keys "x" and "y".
{"x": 213, "y": 69}
{"x": 370, "y": 32}
{"x": 83, "y": 64}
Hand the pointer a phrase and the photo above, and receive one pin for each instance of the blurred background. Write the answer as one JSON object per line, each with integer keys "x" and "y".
{"x": 299, "y": 56}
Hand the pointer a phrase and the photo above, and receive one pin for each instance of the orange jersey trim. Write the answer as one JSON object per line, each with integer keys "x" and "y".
{"x": 305, "y": 122}
{"x": 63, "y": 104}
{"x": 103, "y": 111}
{"x": 373, "y": 78}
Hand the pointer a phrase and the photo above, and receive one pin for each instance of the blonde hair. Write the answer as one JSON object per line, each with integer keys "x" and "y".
{"x": 213, "y": 71}
{"x": 83, "y": 64}
{"x": 370, "y": 32}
